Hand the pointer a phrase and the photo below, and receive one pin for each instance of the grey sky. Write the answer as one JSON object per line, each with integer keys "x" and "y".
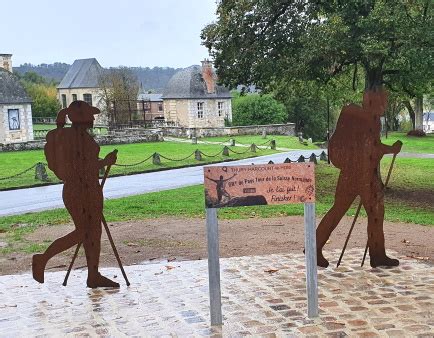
{"x": 129, "y": 32}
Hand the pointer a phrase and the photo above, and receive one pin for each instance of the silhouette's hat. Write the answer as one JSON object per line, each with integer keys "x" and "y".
{"x": 78, "y": 112}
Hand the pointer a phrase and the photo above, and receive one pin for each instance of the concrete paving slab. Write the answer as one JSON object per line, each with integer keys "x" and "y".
{"x": 171, "y": 299}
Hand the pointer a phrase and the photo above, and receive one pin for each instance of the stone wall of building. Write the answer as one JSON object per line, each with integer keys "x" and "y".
{"x": 25, "y": 131}
{"x": 270, "y": 129}
{"x": 119, "y": 137}
{"x": 101, "y": 119}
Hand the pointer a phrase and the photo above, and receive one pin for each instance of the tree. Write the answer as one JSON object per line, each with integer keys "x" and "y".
{"x": 119, "y": 90}
{"x": 43, "y": 94}
{"x": 254, "y": 109}
{"x": 264, "y": 41}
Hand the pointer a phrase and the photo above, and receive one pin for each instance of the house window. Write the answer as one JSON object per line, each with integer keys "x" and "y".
{"x": 63, "y": 101}
{"x": 200, "y": 110}
{"x": 74, "y": 97}
{"x": 220, "y": 107}
{"x": 87, "y": 98}
{"x": 160, "y": 106}
{"x": 14, "y": 119}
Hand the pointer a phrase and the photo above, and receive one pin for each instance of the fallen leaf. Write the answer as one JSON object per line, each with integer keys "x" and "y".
{"x": 169, "y": 267}
{"x": 271, "y": 270}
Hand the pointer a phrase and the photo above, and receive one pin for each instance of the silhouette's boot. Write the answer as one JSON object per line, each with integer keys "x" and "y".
{"x": 383, "y": 260}
{"x": 38, "y": 267}
{"x": 100, "y": 281}
{"x": 320, "y": 260}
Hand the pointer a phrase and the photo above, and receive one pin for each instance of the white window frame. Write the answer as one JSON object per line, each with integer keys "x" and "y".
{"x": 14, "y": 119}
{"x": 87, "y": 101}
{"x": 220, "y": 107}
{"x": 200, "y": 110}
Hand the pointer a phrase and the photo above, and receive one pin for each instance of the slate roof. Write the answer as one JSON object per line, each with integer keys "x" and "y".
{"x": 430, "y": 117}
{"x": 189, "y": 84}
{"x": 83, "y": 73}
{"x": 11, "y": 90}
{"x": 150, "y": 97}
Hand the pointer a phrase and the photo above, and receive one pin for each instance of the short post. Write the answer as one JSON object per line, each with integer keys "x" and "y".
{"x": 301, "y": 159}
{"x": 264, "y": 134}
{"x": 312, "y": 158}
{"x": 41, "y": 172}
{"x": 225, "y": 151}
{"x": 198, "y": 155}
{"x": 310, "y": 254}
{"x": 232, "y": 142}
{"x": 273, "y": 144}
{"x": 253, "y": 148}
{"x": 215, "y": 297}
{"x": 156, "y": 159}
{"x": 194, "y": 140}
{"x": 323, "y": 156}
{"x": 287, "y": 160}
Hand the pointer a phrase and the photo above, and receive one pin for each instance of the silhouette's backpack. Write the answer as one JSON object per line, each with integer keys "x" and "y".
{"x": 345, "y": 141}
{"x": 55, "y": 152}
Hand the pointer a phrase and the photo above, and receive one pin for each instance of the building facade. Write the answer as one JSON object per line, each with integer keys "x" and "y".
{"x": 15, "y": 109}
{"x": 428, "y": 122}
{"x": 193, "y": 99}
{"x": 151, "y": 105}
{"x": 81, "y": 82}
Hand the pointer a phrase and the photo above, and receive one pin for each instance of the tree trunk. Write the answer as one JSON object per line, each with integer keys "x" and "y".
{"x": 410, "y": 109}
{"x": 373, "y": 79}
{"x": 418, "y": 112}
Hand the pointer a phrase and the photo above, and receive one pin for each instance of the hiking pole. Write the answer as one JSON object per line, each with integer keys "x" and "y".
{"x": 349, "y": 233}
{"x": 385, "y": 185}
{"x": 77, "y": 249}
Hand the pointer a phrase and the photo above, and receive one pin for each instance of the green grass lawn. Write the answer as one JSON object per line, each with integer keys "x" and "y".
{"x": 44, "y": 126}
{"x": 409, "y": 198}
{"x": 282, "y": 141}
{"x": 15, "y": 162}
{"x": 412, "y": 144}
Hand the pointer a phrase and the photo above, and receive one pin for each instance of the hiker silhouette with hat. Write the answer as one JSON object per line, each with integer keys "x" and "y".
{"x": 356, "y": 149}
{"x": 72, "y": 154}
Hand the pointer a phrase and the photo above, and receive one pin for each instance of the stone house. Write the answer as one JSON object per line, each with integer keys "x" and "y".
{"x": 15, "y": 107}
{"x": 152, "y": 105}
{"x": 81, "y": 82}
{"x": 193, "y": 99}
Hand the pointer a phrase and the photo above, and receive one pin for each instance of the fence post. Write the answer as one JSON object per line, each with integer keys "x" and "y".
{"x": 253, "y": 148}
{"x": 232, "y": 142}
{"x": 312, "y": 158}
{"x": 287, "y": 160}
{"x": 198, "y": 155}
{"x": 156, "y": 159}
{"x": 323, "y": 156}
{"x": 41, "y": 172}
{"x": 194, "y": 140}
{"x": 225, "y": 151}
{"x": 273, "y": 144}
{"x": 301, "y": 159}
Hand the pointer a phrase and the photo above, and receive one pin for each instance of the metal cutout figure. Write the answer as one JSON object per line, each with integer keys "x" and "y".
{"x": 356, "y": 149}
{"x": 72, "y": 154}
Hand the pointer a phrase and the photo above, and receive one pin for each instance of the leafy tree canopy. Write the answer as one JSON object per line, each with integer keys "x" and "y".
{"x": 255, "y": 109}
{"x": 264, "y": 41}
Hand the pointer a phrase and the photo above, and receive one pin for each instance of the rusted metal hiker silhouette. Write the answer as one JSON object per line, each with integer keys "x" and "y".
{"x": 356, "y": 149}
{"x": 72, "y": 154}
{"x": 220, "y": 187}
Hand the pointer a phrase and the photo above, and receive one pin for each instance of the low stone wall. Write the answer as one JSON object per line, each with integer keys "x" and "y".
{"x": 270, "y": 129}
{"x": 113, "y": 138}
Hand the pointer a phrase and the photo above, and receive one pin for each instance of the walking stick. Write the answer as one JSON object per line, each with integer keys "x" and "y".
{"x": 385, "y": 185}
{"x": 357, "y": 215}
{"x": 108, "y": 235}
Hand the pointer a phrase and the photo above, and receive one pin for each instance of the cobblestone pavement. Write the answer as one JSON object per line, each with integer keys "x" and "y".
{"x": 262, "y": 295}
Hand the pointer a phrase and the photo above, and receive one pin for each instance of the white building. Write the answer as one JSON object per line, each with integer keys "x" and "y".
{"x": 193, "y": 99}
{"x": 428, "y": 122}
{"x": 15, "y": 106}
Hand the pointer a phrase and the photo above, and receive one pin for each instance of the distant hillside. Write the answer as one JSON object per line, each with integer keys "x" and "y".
{"x": 154, "y": 79}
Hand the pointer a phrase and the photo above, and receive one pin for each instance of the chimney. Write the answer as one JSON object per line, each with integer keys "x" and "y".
{"x": 208, "y": 76}
{"x": 6, "y": 62}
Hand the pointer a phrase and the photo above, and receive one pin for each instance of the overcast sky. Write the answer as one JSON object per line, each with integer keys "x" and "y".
{"x": 116, "y": 32}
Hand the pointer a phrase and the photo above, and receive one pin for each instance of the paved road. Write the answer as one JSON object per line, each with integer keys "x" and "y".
{"x": 21, "y": 201}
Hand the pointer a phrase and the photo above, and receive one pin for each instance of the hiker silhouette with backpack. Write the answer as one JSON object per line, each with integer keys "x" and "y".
{"x": 356, "y": 149}
{"x": 72, "y": 154}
